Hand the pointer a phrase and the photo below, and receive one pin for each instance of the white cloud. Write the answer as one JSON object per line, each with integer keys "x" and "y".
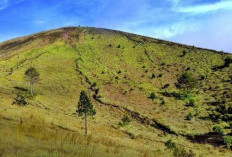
{"x": 7, "y": 3}
{"x": 197, "y": 9}
{"x": 214, "y": 33}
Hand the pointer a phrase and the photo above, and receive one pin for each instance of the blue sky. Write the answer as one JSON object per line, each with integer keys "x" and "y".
{"x": 203, "y": 23}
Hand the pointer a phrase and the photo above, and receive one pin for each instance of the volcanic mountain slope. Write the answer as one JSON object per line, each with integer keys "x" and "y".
{"x": 125, "y": 75}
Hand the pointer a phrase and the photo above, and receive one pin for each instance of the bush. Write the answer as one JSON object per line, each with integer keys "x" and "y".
{"x": 94, "y": 84}
{"x": 125, "y": 121}
{"x": 189, "y": 116}
{"x": 170, "y": 145}
{"x": 179, "y": 151}
{"x": 163, "y": 63}
{"x": 153, "y": 76}
{"x": 186, "y": 81}
{"x": 165, "y": 86}
{"x": 218, "y": 129}
{"x": 191, "y": 103}
{"x": 119, "y": 72}
{"x": 19, "y": 100}
{"x": 178, "y": 96}
{"x": 162, "y": 101}
{"x": 152, "y": 96}
{"x": 227, "y": 62}
{"x": 214, "y": 115}
{"x": 227, "y": 141}
{"x": 160, "y": 75}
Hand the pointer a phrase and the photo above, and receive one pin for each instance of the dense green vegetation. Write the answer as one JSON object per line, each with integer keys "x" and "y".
{"x": 147, "y": 93}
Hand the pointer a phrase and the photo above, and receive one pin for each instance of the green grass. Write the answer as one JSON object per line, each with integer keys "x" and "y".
{"x": 50, "y": 126}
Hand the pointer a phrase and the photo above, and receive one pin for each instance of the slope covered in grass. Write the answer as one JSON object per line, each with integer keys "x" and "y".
{"x": 120, "y": 71}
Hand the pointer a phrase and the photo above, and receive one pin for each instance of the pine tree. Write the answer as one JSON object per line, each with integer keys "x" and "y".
{"x": 85, "y": 107}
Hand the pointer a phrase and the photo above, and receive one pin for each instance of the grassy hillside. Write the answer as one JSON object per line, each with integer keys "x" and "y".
{"x": 169, "y": 92}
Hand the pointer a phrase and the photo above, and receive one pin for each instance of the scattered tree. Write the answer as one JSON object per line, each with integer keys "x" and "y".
{"x": 85, "y": 107}
{"x": 33, "y": 76}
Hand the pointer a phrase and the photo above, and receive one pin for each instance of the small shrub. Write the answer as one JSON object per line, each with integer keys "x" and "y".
{"x": 179, "y": 151}
{"x": 119, "y": 72}
{"x": 118, "y": 46}
{"x": 214, "y": 115}
{"x": 189, "y": 116}
{"x": 19, "y": 100}
{"x": 184, "y": 52}
{"x": 227, "y": 62}
{"x": 165, "y": 86}
{"x": 153, "y": 76}
{"x": 160, "y": 75}
{"x": 162, "y": 64}
{"x": 94, "y": 84}
{"x": 125, "y": 121}
{"x": 201, "y": 77}
{"x": 191, "y": 103}
{"x": 218, "y": 129}
{"x": 170, "y": 145}
{"x": 152, "y": 96}
{"x": 182, "y": 152}
{"x": 162, "y": 102}
{"x": 227, "y": 141}
{"x": 178, "y": 96}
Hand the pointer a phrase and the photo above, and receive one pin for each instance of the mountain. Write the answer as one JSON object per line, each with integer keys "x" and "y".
{"x": 152, "y": 97}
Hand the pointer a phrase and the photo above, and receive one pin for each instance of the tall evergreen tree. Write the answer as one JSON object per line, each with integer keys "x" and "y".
{"x": 85, "y": 107}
